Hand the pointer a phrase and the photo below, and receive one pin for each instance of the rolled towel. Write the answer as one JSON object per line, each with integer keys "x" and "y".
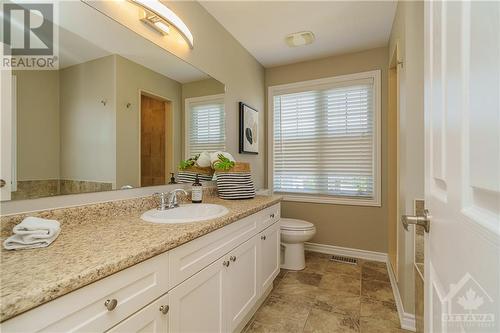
{"x": 214, "y": 157}
{"x": 204, "y": 160}
{"x": 33, "y": 232}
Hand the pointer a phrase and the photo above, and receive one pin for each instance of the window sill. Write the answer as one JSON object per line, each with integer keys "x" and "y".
{"x": 330, "y": 200}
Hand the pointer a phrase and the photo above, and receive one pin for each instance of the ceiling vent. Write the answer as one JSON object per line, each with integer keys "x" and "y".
{"x": 299, "y": 38}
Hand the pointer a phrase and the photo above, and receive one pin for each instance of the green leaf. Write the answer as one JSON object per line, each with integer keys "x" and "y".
{"x": 223, "y": 163}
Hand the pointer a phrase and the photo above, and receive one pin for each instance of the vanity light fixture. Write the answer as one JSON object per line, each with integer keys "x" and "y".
{"x": 299, "y": 38}
{"x": 155, "y": 22}
{"x": 160, "y": 16}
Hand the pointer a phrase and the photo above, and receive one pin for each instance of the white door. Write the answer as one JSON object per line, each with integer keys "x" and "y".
{"x": 152, "y": 319}
{"x": 242, "y": 289}
{"x": 269, "y": 255}
{"x": 197, "y": 304}
{"x": 462, "y": 190}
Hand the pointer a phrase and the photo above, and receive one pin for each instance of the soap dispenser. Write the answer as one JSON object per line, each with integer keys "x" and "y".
{"x": 172, "y": 178}
{"x": 197, "y": 191}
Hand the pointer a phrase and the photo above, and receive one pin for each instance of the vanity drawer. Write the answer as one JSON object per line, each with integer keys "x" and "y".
{"x": 269, "y": 216}
{"x": 190, "y": 258}
{"x": 85, "y": 310}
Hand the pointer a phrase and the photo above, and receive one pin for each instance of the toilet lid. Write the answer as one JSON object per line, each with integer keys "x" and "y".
{"x": 294, "y": 224}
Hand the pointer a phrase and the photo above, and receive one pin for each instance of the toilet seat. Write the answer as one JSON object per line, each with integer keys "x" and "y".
{"x": 295, "y": 225}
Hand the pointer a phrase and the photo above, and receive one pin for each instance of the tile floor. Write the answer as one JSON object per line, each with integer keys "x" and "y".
{"x": 329, "y": 297}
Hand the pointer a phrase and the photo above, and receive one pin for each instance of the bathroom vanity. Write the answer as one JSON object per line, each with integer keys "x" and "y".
{"x": 213, "y": 282}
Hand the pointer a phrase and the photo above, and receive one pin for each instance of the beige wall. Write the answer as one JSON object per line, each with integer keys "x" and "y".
{"x": 201, "y": 88}
{"x": 37, "y": 125}
{"x": 88, "y": 126}
{"x": 407, "y": 33}
{"x": 341, "y": 225}
{"x": 218, "y": 54}
{"x": 131, "y": 78}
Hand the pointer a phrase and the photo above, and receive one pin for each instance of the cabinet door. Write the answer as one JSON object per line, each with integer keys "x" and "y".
{"x": 269, "y": 246}
{"x": 152, "y": 319}
{"x": 242, "y": 285}
{"x": 197, "y": 304}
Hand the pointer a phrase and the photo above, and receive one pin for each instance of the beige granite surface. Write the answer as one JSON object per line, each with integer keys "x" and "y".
{"x": 97, "y": 242}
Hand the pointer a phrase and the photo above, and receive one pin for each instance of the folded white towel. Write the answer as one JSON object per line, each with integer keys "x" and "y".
{"x": 33, "y": 232}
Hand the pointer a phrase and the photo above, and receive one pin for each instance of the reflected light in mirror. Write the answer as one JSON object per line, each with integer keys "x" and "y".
{"x": 168, "y": 15}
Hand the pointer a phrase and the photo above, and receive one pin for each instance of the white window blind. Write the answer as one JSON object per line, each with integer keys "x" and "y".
{"x": 325, "y": 141}
{"x": 206, "y": 126}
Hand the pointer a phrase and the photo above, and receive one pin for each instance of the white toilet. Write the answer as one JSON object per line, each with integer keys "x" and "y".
{"x": 293, "y": 235}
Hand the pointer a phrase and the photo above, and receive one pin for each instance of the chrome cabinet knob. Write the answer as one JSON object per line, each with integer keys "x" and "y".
{"x": 271, "y": 216}
{"x": 263, "y": 237}
{"x": 225, "y": 263}
{"x": 2, "y": 183}
{"x": 232, "y": 258}
{"x": 164, "y": 309}
{"x": 111, "y": 304}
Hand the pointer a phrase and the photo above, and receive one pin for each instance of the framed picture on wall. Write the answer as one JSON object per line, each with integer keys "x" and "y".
{"x": 249, "y": 130}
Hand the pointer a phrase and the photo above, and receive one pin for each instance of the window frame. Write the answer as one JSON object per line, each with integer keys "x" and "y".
{"x": 187, "y": 118}
{"x": 273, "y": 91}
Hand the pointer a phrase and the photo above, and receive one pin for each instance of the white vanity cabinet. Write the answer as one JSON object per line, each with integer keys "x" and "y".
{"x": 197, "y": 304}
{"x": 153, "y": 318}
{"x": 269, "y": 255}
{"x": 242, "y": 290}
{"x": 210, "y": 284}
{"x": 100, "y": 305}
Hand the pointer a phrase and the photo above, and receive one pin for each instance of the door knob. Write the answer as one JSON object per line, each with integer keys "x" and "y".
{"x": 424, "y": 220}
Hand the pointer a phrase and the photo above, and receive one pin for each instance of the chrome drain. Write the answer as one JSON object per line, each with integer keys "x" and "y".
{"x": 345, "y": 260}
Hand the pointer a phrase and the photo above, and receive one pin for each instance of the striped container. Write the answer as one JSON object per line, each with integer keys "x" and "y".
{"x": 188, "y": 175}
{"x": 235, "y": 183}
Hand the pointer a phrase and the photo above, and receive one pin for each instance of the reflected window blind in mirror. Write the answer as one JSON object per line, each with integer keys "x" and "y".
{"x": 325, "y": 140}
{"x": 206, "y": 125}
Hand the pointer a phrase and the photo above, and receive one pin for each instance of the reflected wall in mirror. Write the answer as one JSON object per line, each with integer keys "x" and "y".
{"x": 110, "y": 116}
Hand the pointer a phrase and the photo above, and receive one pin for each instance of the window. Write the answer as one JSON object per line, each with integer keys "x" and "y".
{"x": 326, "y": 140}
{"x": 205, "y": 124}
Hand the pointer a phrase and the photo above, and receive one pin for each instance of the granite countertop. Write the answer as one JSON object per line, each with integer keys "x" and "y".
{"x": 86, "y": 252}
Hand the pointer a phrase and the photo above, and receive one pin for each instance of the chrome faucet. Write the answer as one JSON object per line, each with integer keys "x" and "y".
{"x": 172, "y": 198}
{"x": 169, "y": 200}
{"x": 163, "y": 201}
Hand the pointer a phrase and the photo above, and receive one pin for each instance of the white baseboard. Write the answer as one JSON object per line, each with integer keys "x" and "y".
{"x": 345, "y": 251}
{"x": 407, "y": 320}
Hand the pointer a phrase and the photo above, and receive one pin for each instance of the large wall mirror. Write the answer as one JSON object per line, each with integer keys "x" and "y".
{"x": 110, "y": 117}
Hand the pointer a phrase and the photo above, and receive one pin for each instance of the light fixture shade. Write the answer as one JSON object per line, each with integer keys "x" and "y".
{"x": 168, "y": 15}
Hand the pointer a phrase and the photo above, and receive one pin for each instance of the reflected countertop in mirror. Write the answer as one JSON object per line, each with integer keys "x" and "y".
{"x": 109, "y": 117}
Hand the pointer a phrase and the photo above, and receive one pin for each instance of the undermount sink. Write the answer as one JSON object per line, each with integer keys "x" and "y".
{"x": 185, "y": 213}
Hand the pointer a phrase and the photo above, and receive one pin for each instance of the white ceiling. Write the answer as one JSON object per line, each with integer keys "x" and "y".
{"x": 339, "y": 26}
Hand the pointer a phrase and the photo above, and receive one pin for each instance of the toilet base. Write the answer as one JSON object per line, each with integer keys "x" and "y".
{"x": 293, "y": 257}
